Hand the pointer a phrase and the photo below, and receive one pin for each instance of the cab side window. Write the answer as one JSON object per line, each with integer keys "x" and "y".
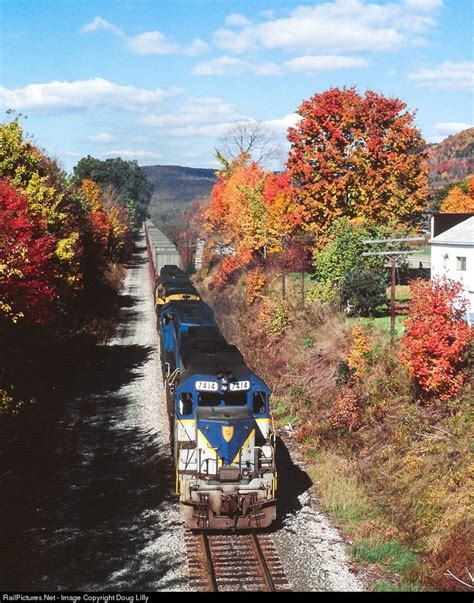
{"x": 186, "y": 404}
{"x": 259, "y": 403}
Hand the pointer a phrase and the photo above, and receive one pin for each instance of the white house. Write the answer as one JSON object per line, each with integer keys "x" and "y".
{"x": 452, "y": 255}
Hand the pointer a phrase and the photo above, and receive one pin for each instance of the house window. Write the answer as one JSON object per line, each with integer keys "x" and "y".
{"x": 460, "y": 263}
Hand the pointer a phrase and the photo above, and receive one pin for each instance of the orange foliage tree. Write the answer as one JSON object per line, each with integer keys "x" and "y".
{"x": 436, "y": 338}
{"x": 356, "y": 156}
{"x": 459, "y": 201}
{"x": 253, "y": 211}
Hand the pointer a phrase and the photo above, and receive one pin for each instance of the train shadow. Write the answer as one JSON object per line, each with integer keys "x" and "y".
{"x": 292, "y": 482}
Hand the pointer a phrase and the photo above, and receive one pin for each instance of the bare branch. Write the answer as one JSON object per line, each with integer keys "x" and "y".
{"x": 451, "y": 575}
{"x": 250, "y": 137}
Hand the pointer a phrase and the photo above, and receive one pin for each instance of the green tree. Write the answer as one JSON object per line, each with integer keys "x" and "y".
{"x": 343, "y": 251}
{"x": 365, "y": 290}
{"x": 133, "y": 189}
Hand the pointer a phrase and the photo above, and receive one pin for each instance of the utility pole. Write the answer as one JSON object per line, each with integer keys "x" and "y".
{"x": 394, "y": 255}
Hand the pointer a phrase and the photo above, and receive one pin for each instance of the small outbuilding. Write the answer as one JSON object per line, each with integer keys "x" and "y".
{"x": 452, "y": 253}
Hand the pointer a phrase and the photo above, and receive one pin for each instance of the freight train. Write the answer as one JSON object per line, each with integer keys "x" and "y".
{"x": 222, "y": 438}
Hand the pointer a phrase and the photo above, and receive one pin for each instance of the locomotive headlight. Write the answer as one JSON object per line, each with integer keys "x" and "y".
{"x": 224, "y": 383}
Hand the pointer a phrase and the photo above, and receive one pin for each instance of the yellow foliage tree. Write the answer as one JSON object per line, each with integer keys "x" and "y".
{"x": 458, "y": 201}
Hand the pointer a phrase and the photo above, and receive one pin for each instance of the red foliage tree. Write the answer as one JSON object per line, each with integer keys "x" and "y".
{"x": 26, "y": 273}
{"x": 436, "y": 338}
{"x": 356, "y": 156}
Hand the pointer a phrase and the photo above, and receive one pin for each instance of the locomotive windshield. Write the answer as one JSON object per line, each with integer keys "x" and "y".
{"x": 221, "y": 398}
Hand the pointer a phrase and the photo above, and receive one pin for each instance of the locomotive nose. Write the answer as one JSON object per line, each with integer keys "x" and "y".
{"x": 226, "y": 430}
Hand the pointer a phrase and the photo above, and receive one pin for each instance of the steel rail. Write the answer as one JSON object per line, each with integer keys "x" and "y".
{"x": 209, "y": 563}
{"x": 263, "y": 564}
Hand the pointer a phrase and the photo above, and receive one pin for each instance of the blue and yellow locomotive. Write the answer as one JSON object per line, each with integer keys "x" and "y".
{"x": 222, "y": 438}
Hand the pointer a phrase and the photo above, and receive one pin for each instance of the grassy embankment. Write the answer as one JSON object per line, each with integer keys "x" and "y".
{"x": 393, "y": 474}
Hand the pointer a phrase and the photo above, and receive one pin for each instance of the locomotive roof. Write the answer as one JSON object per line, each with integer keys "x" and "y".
{"x": 228, "y": 360}
{"x": 171, "y": 269}
{"x": 167, "y": 278}
{"x": 205, "y": 351}
{"x": 177, "y": 284}
{"x": 191, "y": 312}
{"x": 179, "y": 287}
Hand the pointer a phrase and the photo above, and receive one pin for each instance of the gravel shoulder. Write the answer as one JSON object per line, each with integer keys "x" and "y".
{"x": 312, "y": 551}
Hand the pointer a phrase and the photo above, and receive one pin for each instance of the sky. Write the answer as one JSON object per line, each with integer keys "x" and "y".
{"x": 161, "y": 81}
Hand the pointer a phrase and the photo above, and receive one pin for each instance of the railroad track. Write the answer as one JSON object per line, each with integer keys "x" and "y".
{"x": 234, "y": 562}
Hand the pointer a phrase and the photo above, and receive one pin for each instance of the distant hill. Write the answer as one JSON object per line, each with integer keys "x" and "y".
{"x": 452, "y": 159}
{"x": 174, "y": 189}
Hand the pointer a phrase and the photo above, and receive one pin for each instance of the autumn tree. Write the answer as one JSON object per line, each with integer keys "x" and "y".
{"x": 132, "y": 188}
{"x": 356, "y": 156}
{"x": 27, "y": 279}
{"x": 49, "y": 197}
{"x": 436, "y": 338}
{"x": 236, "y": 211}
{"x": 460, "y": 199}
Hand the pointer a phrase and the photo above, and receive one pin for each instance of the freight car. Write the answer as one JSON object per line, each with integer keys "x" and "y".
{"x": 222, "y": 438}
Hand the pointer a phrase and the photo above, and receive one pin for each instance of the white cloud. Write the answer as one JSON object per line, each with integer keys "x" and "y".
{"x": 326, "y": 62}
{"x": 423, "y": 5}
{"x": 197, "y": 47}
{"x": 130, "y": 155}
{"x": 337, "y": 26}
{"x": 232, "y": 66}
{"x": 151, "y": 42}
{"x": 148, "y": 42}
{"x": 79, "y": 96}
{"x": 205, "y": 112}
{"x": 447, "y": 76}
{"x": 237, "y": 20}
{"x": 237, "y": 42}
{"x": 98, "y": 24}
{"x": 101, "y": 138}
{"x": 268, "y": 14}
{"x": 154, "y": 42}
{"x": 282, "y": 124}
{"x": 448, "y": 128}
{"x": 227, "y": 66}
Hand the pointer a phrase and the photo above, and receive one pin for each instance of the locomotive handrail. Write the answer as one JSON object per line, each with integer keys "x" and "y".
{"x": 174, "y": 375}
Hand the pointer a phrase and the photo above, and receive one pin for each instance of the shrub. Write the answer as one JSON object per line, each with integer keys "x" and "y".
{"x": 255, "y": 283}
{"x": 436, "y": 338}
{"x": 346, "y": 410}
{"x": 358, "y": 357}
{"x": 364, "y": 290}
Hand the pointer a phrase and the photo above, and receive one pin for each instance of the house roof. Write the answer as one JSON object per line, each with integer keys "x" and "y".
{"x": 461, "y": 234}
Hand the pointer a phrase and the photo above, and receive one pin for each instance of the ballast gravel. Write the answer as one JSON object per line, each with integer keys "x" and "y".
{"x": 312, "y": 551}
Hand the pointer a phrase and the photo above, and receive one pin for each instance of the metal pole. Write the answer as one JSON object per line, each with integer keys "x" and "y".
{"x": 392, "y": 297}
{"x": 302, "y": 288}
